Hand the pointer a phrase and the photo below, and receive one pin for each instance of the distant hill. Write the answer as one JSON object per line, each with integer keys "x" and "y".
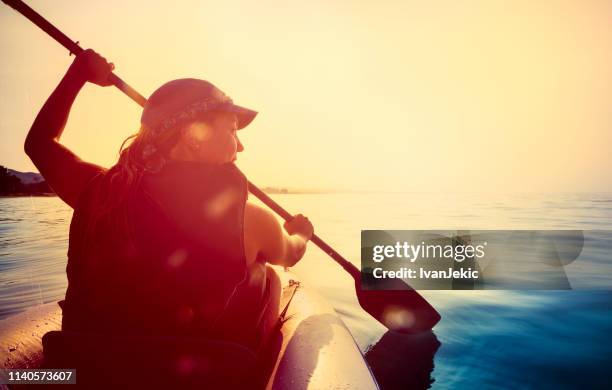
{"x": 15, "y": 183}
{"x": 275, "y": 190}
{"x": 27, "y": 177}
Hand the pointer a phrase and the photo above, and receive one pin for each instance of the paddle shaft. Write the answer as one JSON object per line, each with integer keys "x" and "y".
{"x": 74, "y": 48}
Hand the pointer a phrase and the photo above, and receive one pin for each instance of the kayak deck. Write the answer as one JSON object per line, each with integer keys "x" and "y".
{"x": 317, "y": 349}
{"x": 313, "y": 349}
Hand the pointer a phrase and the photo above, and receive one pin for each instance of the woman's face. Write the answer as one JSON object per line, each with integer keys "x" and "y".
{"x": 214, "y": 142}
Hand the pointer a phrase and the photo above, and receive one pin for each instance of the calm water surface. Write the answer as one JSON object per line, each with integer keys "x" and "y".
{"x": 486, "y": 339}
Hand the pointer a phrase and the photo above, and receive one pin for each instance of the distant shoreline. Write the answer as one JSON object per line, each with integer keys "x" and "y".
{"x": 19, "y": 184}
{"x": 25, "y": 194}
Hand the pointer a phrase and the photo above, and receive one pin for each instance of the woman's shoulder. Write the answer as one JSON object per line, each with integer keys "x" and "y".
{"x": 200, "y": 170}
{"x": 232, "y": 171}
{"x": 184, "y": 184}
{"x": 94, "y": 188}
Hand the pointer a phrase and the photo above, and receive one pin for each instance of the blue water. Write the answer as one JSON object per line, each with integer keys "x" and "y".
{"x": 486, "y": 339}
{"x": 537, "y": 340}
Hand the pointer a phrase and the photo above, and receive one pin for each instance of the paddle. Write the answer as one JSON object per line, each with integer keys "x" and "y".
{"x": 398, "y": 307}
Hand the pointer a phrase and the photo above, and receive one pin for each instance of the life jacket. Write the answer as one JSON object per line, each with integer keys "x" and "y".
{"x": 172, "y": 263}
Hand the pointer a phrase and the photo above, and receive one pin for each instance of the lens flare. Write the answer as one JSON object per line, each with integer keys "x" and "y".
{"x": 396, "y": 317}
{"x": 221, "y": 203}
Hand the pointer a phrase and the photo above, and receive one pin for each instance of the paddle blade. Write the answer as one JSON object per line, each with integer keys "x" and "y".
{"x": 398, "y": 307}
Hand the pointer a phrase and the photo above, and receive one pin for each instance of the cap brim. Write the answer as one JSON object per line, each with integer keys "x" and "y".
{"x": 245, "y": 116}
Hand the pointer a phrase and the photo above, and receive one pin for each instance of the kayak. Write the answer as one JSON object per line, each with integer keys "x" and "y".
{"x": 313, "y": 348}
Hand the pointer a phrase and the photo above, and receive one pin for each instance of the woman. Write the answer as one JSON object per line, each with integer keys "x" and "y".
{"x": 165, "y": 242}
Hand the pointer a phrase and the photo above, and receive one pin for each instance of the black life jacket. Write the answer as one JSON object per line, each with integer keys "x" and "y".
{"x": 170, "y": 265}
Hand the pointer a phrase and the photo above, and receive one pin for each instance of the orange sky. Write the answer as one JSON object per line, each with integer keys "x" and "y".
{"x": 360, "y": 95}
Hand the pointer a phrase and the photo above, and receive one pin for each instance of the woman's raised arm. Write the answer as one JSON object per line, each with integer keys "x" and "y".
{"x": 63, "y": 170}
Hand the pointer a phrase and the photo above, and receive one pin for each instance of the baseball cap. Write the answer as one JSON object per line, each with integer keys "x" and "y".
{"x": 184, "y": 99}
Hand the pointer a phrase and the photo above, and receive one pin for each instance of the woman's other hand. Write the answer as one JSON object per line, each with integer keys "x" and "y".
{"x": 264, "y": 236}
{"x": 299, "y": 225}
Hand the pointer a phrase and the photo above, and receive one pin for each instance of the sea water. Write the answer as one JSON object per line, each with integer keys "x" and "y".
{"x": 486, "y": 339}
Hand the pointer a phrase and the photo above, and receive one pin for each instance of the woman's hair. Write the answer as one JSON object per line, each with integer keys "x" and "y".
{"x": 138, "y": 154}
{"x": 143, "y": 152}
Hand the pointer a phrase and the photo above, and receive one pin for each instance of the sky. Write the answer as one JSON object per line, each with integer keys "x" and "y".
{"x": 464, "y": 96}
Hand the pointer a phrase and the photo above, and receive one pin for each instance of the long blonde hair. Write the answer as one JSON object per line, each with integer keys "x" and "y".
{"x": 142, "y": 152}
